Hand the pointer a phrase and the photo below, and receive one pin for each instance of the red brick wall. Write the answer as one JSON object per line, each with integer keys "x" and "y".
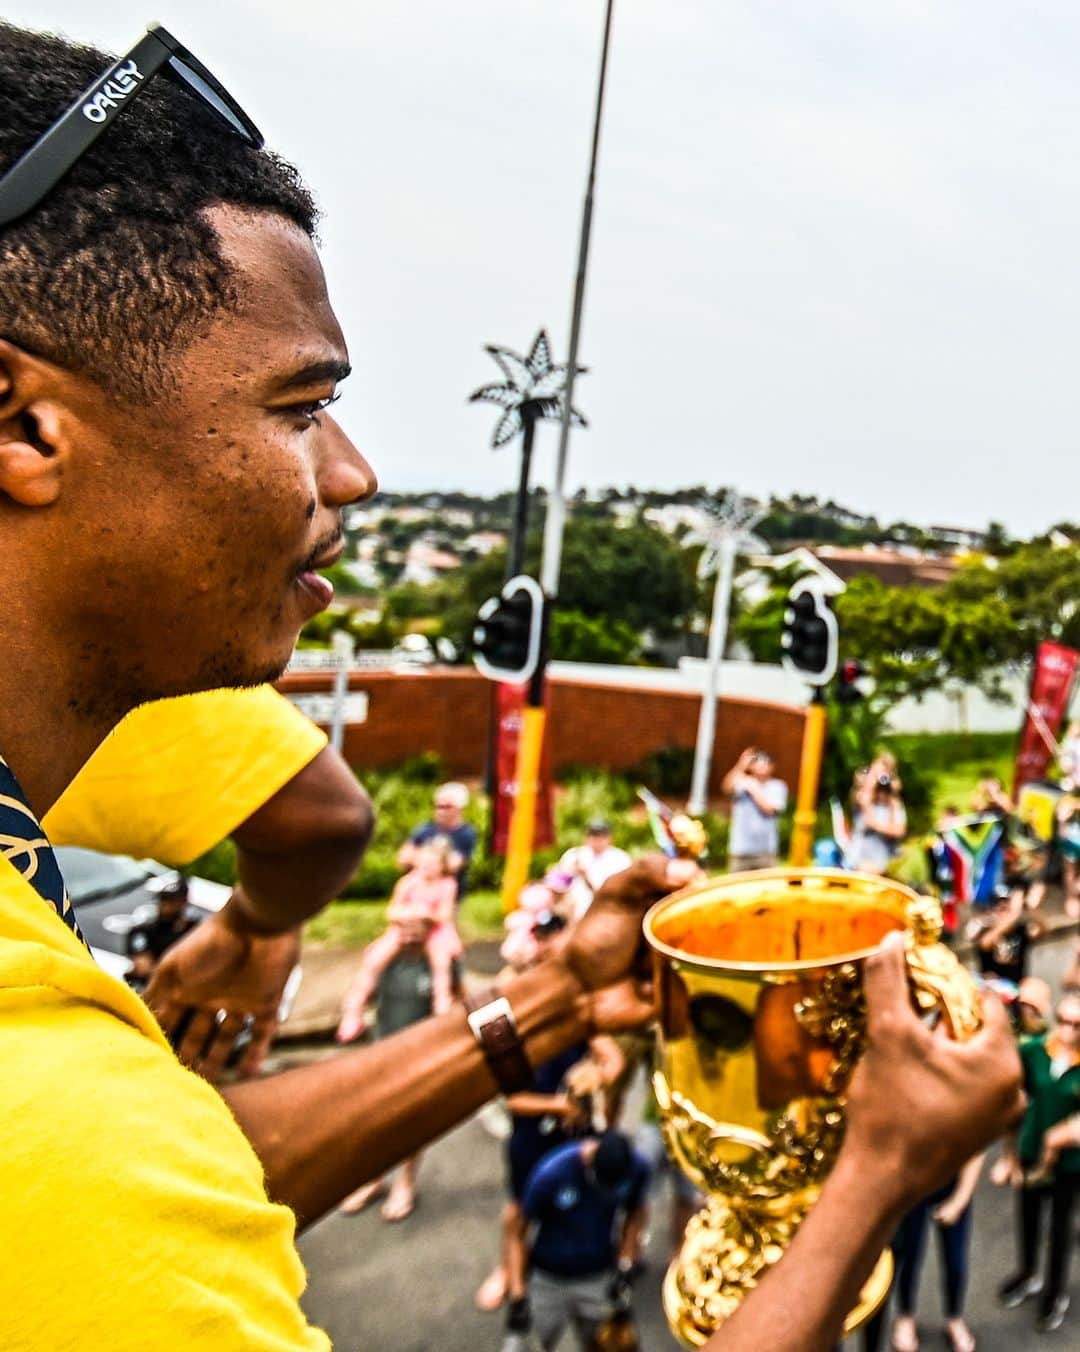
{"x": 447, "y": 711}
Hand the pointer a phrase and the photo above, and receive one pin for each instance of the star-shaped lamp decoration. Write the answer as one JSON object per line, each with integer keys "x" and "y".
{"x": 533, "y": 389}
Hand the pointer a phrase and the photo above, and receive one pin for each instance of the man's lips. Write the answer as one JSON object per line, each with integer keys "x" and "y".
{"x": 320, "y": 588}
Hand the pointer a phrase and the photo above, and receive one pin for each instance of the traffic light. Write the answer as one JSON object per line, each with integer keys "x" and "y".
{"x": 847, "y": 690}
{"x": 810, "y": 634}
{"x": 506, "y": 636}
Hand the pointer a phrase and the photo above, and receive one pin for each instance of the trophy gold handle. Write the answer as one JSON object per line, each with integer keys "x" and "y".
{"x": 938, "y": 979}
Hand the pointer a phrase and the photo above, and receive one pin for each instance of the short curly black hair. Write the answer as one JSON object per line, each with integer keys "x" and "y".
{"x": 119, "y": 266}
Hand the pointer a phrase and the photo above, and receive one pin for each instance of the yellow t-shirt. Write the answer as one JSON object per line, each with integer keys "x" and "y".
{"x": 177, "y": 776}
{"x": 132, "y": 1208}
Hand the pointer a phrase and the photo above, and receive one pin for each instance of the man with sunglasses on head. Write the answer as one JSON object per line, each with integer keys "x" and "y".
{"x": 168, "y": 355}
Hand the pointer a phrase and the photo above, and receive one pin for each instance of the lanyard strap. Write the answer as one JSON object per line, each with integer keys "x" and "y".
{"x": 26, "y": 847}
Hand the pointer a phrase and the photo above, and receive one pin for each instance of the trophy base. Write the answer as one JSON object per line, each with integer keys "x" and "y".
{"x": 710, "y": 1278}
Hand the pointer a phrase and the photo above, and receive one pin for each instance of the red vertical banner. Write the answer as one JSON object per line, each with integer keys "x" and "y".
{"x": 509, "y": 702}
{"x": 1052, "y": 679}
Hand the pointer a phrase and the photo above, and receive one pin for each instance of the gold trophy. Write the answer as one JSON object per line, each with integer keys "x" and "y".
{"x": 762, "y": 1018}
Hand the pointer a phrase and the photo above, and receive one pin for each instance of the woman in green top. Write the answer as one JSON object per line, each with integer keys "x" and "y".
{"x": 1052, "y": 1084}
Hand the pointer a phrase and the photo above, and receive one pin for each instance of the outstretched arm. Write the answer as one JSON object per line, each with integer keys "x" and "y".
{"x": 918, "y": 1108}
{"x": 324, "y": 1129}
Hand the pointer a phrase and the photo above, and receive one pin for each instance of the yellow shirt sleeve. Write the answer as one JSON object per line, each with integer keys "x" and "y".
{"x": 178, "y": 775}
{"x": 132, "y": 1207}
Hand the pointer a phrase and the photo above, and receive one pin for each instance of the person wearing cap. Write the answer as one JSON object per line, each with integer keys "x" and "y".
{"x": 147, "y": 944}
{"x": 585, "y": 1204}
{"x": 590, "y": 865}
{"x": 757, "y": 799}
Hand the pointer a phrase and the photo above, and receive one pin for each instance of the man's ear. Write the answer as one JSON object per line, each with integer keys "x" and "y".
{"x": 32, "y": 444}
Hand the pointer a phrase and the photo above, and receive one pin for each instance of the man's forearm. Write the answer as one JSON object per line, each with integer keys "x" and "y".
{"x": 801, "y": 1305}
{"x": 761, "y": 799}
{"x": 324, "y": 1129}
{"x": 279, "y": 892}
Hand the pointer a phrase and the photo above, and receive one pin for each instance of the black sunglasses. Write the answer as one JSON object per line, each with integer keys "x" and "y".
{"x": 42, "y": 167}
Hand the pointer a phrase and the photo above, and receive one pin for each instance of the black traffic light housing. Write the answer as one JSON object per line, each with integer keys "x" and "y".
{"x": 810, "y": 634}
{"x": 506, "y": 637}
{"x": 847, "y": 690}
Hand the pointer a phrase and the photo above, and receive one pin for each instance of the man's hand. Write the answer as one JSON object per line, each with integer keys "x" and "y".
{"x": 222, "y": 979}
{"x": 919, "y": 1105}
{"x": 606, "y": 951}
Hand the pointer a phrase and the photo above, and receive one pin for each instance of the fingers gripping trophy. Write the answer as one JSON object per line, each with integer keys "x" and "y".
{"x": 762, "y": 1018}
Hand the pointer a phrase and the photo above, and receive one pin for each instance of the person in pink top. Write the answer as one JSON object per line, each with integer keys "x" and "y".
{"x": 421, "y": 911}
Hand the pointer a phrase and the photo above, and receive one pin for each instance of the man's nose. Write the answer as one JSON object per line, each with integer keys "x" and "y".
{"x": 344, "y": 475}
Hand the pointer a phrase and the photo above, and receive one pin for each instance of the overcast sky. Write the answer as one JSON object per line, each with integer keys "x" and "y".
{"x": 836, "y": 247}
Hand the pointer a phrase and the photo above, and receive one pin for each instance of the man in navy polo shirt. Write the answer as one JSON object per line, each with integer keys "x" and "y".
{"x": 448, "y": 821}
{"x": 586, "y": 1204}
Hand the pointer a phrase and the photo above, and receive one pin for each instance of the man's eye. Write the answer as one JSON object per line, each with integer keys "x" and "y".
{"x": 310, "y": 412}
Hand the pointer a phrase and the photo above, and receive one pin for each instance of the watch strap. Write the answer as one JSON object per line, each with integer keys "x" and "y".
{"x": 495, "y": 1029}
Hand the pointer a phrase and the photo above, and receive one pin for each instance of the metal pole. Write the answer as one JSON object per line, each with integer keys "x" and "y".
{"x": 515, "y": 557}
{"x": 523, "y": 819}
{"x": 556, "y": 512}
{"x": 706, "y": 734}
{"x": 802, "y": 835}
{"x": 343, "y": 650}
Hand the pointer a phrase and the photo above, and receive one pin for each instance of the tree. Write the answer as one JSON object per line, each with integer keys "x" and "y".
{"x": 1038, "y": 586}
{"x": 634, "y": 575}
{"x": 910, "y": 639}
{"x": 580, "y": 638}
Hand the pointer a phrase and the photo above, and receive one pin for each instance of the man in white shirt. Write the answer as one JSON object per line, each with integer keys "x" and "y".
{"x": 758, "y": 798}
{"x": 591, "y": 865}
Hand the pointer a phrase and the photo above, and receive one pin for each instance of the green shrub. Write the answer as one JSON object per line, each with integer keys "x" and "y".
{"x": 218, "y": 864}
{"x": 666, "y": 770}
{"x": 426, "y": 768}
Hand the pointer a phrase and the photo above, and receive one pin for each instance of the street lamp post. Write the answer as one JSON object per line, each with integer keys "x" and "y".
{"x": 533, "y": 389}
{"x": 729, "y": 531}
{"x": 533, "y": 720}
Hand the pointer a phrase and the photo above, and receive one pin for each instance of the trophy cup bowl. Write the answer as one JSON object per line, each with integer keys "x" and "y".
{"x": 762, "y": 1018}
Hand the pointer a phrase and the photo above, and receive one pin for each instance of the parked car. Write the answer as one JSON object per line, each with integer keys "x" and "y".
{"x": 113, "y": 893}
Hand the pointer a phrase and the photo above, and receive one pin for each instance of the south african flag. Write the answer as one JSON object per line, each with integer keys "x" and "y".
{"x": 976, "y": 849}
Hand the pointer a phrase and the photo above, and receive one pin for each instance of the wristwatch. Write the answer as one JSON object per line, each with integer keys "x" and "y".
{"x": 495, "y": 1028}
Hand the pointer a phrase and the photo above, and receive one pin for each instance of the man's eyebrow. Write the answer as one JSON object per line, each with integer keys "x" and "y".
{"x": 316, "y": 373}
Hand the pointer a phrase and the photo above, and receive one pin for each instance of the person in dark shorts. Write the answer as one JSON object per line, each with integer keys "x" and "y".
{"x": 586, "y": 1204}
{"x": 543, "y": 1118}
{"x": 404, "y": 996}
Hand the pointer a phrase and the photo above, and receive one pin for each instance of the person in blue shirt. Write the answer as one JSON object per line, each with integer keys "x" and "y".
{"x": 585, "y": 1204}
{"x": 543, "y": 1117}
{"x": 448, "y": 820}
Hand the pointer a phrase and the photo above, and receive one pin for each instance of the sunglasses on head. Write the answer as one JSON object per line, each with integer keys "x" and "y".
{"x": 42, "y": 167}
